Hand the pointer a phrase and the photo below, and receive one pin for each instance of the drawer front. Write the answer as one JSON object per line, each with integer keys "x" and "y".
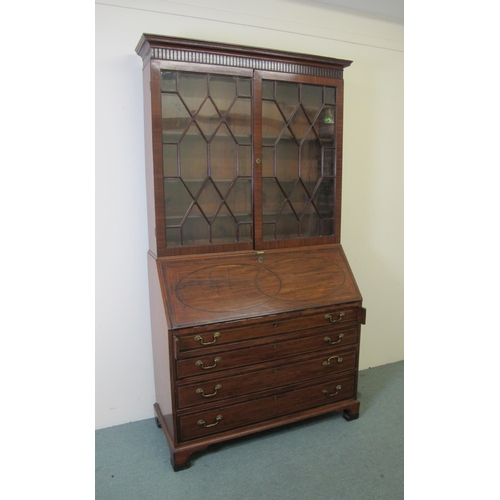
{"x": 209, "y": 422}
{"x": 212, "y": 338}
{"x": 325, "y": 340}
{"x": 291, "y": 371}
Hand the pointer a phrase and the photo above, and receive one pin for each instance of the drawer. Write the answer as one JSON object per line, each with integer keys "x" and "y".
{"x": 292, "y": 371}
{"x": 325, "y": 340}
{"x": 211, "y": 338}
{"x": 208, "y": 422}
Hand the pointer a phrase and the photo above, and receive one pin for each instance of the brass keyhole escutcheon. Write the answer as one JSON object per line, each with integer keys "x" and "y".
{"x": 258, "y": 160}
{"x": 261, "y": 259}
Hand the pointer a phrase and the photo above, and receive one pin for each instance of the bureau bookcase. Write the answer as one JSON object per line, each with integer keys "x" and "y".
{"x": 256, "y": 314}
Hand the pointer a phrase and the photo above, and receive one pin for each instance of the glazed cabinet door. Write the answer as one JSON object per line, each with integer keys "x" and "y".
{"x": 203, "y": 166}
{"x": 300, "y": 146}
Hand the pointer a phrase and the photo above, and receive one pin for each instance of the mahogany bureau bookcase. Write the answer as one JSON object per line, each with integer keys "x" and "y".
{"x": 256, "y": 315}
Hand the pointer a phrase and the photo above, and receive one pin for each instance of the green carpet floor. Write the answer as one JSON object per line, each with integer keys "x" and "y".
{"x": 323, "y": 458}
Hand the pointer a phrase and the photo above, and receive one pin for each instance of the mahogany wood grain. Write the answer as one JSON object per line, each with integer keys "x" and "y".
{"x": 250, "y": 335}
{"x": 264, "y": 376}
{"x": 300, "y": 327}
{"x": 266, "y": 408}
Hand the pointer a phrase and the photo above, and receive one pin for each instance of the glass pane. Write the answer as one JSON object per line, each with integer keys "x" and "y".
{"x": 224, "y": 187}
{"x": 170, "y": 160}
{"x": 193, "y": 90}
{"x": 268, "y": 232}
{"x": 244, "y": 232}
{"x": 240, "y": 120}
{"x": 312, "y": 100}
{"x": 287, "y": 224}
{"x": 330, "y": 95}
{"x": 272, "y": 197}
{"x": 208, "y": 119}
{"x": 177, "y": 201}
{"x": 329, "y": 162}
{"x": 209, "y": 200}
{"x": 195, "y": 230}
{"x": 310, "y": 225}
{"x": 324, "y": 198}
{"x": 193, "y": 155}
{"x": 272, "y": 123}
{"x": 245, "y": 87}
{"x": 175, "y": 117}
{"x": 239, "y": 200}
{"x": 224, "y": 227}
{"x": 222, "y": 91}
{"x": 223, "y": 155}
{"x": 310, "y": 162}
{"x": 326, "y": 125}
{"x": 173, "y": 237}
{"x": 287, "y": 97}
{"x": 168, "y": 81}
{"x": 299, "y": 124}
{"x": 287, "y": 160}
{"x": 327, "y": 227}
{"x": 267, "y": 89}
{"x": 299, "y": 198}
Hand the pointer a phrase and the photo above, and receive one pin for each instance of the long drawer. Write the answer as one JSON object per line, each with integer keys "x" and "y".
{"x": 208, "y": 338}
{"x": 324, "y": 340}
{"x": 207, "y": 422}
{"x": 268, "y": 376}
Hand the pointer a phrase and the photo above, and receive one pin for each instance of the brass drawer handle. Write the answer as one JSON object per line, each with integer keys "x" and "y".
{"x": 217, "y": 419}
{"x": 200, "y": 363}
{"x": 333, "y": 393}
{"x": 329, "y": 340}
{"x": 329, "y": 316}
{"x": 327, "y": 362}
{"x": 202, "y": 392}
{"x": 199, "y": 339}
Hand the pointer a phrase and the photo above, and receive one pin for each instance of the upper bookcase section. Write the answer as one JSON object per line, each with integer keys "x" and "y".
{"x": 237, "y": 56}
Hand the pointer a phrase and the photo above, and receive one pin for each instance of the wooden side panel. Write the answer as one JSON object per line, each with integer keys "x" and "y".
{"x": 148, "y": 150}
{"x": 159, "y": 330}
